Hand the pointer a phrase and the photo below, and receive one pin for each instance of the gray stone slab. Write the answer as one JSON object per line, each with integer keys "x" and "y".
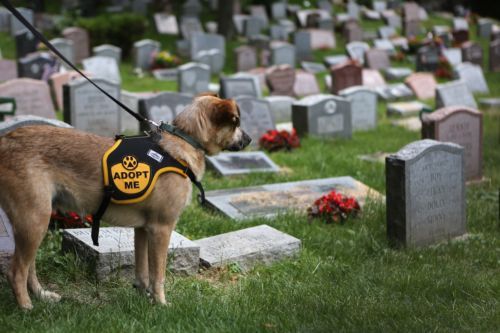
{"x": 283, "y": 54}
{"x": 166, "y": 24}
{"x": 35, "y": 65}
{"x": 248, "y": 247}
{"x": 335, "y": 60}
{"x": 454, "y": 93}
{"x": 397, "y": 73}
{"x": 256, "y": 117}
{"x": 16, "y": 25}
{"x": 281, "y": 108}
{"x": 6, "y": 241}
{"x": 128, "y": 124}
{"x": 164, "y": 106}
{"x": 232, "y": 87}
{"x": 115, "y": 253}
{"x": 28, "y": 120}
{"x": 425, "y": 196}
{"x": 394, "y": 91}
{"x": 363, "y": 107}
{"x": 32, "y": 97}
{"x": 237, "y": 163}
{"x": 103, "y": 67}
{"x": 26, "y": 43}
{"x": 473, "y": 77}
{"x": 405, "y": 109}
{"x": 193, "y": 78}
{"x": 80, "y": 39}
{"x": 272, "y": 199}
{"x": 143, "y": 51}
{"x": 356, "y": 51}
{"x": 453, "y": 55}
{"x": 313, "y": 67}
{"x": 107, "y": 50}
{"x": 66, "y": 48}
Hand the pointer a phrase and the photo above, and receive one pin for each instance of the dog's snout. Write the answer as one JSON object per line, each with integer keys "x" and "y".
{"x": 245, "y": 139}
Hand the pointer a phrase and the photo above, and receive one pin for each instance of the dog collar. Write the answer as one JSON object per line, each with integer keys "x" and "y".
{"x": 181, "y": 134}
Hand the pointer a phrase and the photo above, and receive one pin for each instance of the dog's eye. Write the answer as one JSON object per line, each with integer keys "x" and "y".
{"x": 236, "y": 121}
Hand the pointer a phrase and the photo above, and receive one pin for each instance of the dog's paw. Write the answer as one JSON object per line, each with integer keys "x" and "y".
{"x": 26, "y": 306}
{"x": 49, "y": 296}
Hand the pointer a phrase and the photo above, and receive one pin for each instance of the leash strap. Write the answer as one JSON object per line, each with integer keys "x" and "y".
{"x": 179, "y": 133}
{"x": 96, "y": 218}
{"x": 35, "y": 32}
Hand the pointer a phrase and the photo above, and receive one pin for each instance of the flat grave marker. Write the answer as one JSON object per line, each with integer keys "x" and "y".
{"x": 473, "y": 77}
{"x": 237, "y": 163}
{"x": 454, "y": 93}
{"x": 423, "y": 85}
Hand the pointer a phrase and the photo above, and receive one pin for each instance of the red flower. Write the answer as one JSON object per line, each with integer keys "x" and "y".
{"x": 274, "y": 140}
{"x": 70, "y": 220}
{"x": 334, "y": 207}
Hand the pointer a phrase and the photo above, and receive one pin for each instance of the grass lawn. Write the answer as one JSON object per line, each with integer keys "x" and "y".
{"x": 346, "y": 278}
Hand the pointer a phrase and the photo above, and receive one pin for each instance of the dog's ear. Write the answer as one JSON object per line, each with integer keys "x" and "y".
{"x": 207, "y": 93}
{"x": 224, "y": 113}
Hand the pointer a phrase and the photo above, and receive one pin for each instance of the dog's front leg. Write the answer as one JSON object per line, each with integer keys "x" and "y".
{"x": 158, "y": 240}
{"x": 141, "y": 259}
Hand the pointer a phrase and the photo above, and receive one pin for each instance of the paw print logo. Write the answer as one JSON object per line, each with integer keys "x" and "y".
{"x": 129, "y": 162}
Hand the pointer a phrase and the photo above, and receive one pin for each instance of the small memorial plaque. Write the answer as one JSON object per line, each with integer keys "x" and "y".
{"x": 237, "y": 163}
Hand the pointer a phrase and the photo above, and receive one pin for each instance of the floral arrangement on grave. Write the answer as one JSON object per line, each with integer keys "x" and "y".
{"x": 70, "y": 220}
{"x": 274, "y": 140}
{"x": 334, "y": 207}
{"x": 164, "y": 59}
{"x": 414, "y": 43}
{"x": 398, "y": 56}
{"x": 444, "y": 69}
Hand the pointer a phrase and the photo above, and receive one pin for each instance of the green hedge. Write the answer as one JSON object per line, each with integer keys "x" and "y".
{"x": 121, "y": 30}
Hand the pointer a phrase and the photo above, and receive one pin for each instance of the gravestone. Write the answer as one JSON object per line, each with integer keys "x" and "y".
{"x": 305, "y": 84}
{"x": 6, "y": 242}
{"x": 246, "y": 58}
{"x": 65, "y": 47}
{"x": 377, "y": 59}
{"x": 278, "y": 10}
{"x": 128, "y": 124}
{"x": 104, "y": 67}
{"x": 460, "y": 37}
{"x": 363, "y": 107}
{"x": 80, "y": 39}
{"x": 4, "y": 19}
{"x": 271, "y": 200}
{"x": 57, "y": 81}
{"x": 397, "y": 73}
{"x": 427, "y": 58}
{"x": 214, "y": 58}
{"x": 302, "y": 42}
{"x": 484, "y": 27}
{"x": 386, "y": 32}
{"x": 411, "y": 28}
{"x": 372, "y": 78}
{"x": 16, "y": 25}
{"x": 494, "y": 56}
{"x": 164, "y": 106}
{"x": 190, "y": 26}
{"x": 107, "y": 50}
{"x": 26, "y": 43}
{"x": 405, "y": 109}
{"x": 425, "y": 195}
{"x": 353, "y": 9}
{"x": 460, "y": 125}
{"x": 356, "y": 51}
{"x": 238, "y": 163}
{"x": 278, "y": 32}
{"x": 248, "y": 247}
{"x": 231, "y": 87}
{"x": 8, "y": 70}
{"x": 202, "y": 41}
{"x": 255, "y": 116}
{"x": 166, "y": 24}
{"x": 322, "y": 115}
{"x": 454, "y": 93}
{"x": 280, "y": 80}
{"x": 258, "y": 75}
{"x": 193, "y": 78}
{"x": 453, "y": 55}
{"x": 252, "y": 26}
{"x": 345, "y": 75}
{"x": 322, "y": 39}
{"x": 334, "y": 60}
{"x": 88, "y": 109}
{"x": 422, "y": 84}
{"x": 394, "y": 91}
{"x": 472, "y": 52}
{"x": 283, "y": 54}
{"x": 353, "y": 31}
{"x": 143, "y": 52}
{"x": 411, "y": 11}
{"x": 115, "y": 253}
{"x": 32, "y": 97}
{"x": 313, "y": 67}
{"x": 393, "y": 20}
{"x": 460, "y": 23}
{"x": 473, "y": 76}
{"x": 281, "y": 108}
{"x": 259, "y": 12}
{"x": 191, "y": 8}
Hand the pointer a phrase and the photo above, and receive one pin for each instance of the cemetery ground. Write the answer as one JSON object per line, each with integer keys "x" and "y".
{"x": 346, "y": 277}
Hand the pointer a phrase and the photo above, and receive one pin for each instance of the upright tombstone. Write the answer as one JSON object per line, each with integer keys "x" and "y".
{"x": 255, "y": 116}
{"x": 427, "y": 58}
{"x": 357, "y": 50}
{"x": 281, "y": 108}
{"x": 252, "y": 26}
{"x": 283, "y": 54}
{"x": 377, "y": 59}
{"x": 472, "y": 52}
{"x": 190, "y": 26}
{"x": 345, "y": 75}
{"x": 107, "y": 50}
{"x": 411, "y": 23}
{"x": 484, "y": 27}
{"x": 353, "y": 9}
{"x": 143, "y": 52}
{"x": 423, "y": 85}
{"x": 80, "y": 39}
{"x": 302, "y": 41}
{"x": 280, "y": 80}
{"x": 88, "y": 109}
{"x": 32, "y": 97}
{"x": 65, "y": 47}
{"x": 8, "y": 70}
{"x": 26, "y": 43}
{"x": 425, "y": 195}
{"x": 460, "y": 23}
{"x": 454, "y": 93}
{"x": 128, "y": 124}
{"x": 363, "y": 107}
{"x": 34, "y": 65}
{"x": 322, "y": 115}
{"x": 164, "y": 106}
{"x": 202, "y": 42}
{"x": 352, "y": 31}
{"x": 453, "y": 56}
{"x": 473, "y": 76}
{"x": 494, "y": 58}
{"x": 231, "y": 87}
{"x": 460, "y": 125}
{"x": 193, "y": 78}
{"x": 259, "y": 12}
{"x": 322, "y": 39}
{"x": 166, "y": 24}
{"x": 16, "y": 25}
{"x": 305, "y": 84}
{"x": 57, "y": 81}
{"x": 246, "y": 58}
{"x": 278, "y": 10}
{"x": 386, "y": 32}
{"x": 460, "y": 37}
{"x": 104, "y": 67}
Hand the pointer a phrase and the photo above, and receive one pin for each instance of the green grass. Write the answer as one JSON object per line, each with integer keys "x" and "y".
{"x": 347, "y": 277}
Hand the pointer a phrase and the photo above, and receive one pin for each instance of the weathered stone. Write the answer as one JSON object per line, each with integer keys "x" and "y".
{"x": 280, "y": 80}
{"x": 143, "y": 52}
{"x": 255, "y": 117}
{"x": 405, "y": 109}
{"x": 363, "y": 107}
{"x": 103, "y": 67}
{"x": 356, "y": 50}
{"x": 164, "y": 106}
{"x": 238, "y": 86}
{"x": 422, "y": 84}
{"x": 454, "y": 93}
{"x": 193, "y": 78}
{"x": 32, "y": 97}
{"x": 80, "y": 39}
{"x": 377, "y": 59}
{"x": 305, "y": 84}
{"x": 107, "y": 50}
{"x": 281, "y": 108}
{"x": 372, "y": 78}
{"x": 345, "y": 75}
{"x": 237, "y": 163}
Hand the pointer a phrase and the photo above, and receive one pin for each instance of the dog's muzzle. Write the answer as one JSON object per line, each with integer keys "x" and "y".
{"x": 242, "y": 143}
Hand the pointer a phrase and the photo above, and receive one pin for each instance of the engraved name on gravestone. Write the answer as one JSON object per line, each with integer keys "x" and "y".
{"x": 473, "y": 77}
{"x": 322, "y": 115}
{"x": 6, "y": 241}
{"x": 237, "y": 163}
{"x": 460, "y": 125}
{"x": 454, "y": 93}
{"x": 255, "y": 115}
{"x": 425, "y": 195}
{"x": 273, "y": 199}
{"x": 87, "y": 109}
{"x": 422, "y": 84}
{"x": 164, "y": 107}
{"x": 231, "y": 87}
{"x": 143, "y": 51}
{"x": 115, "y": 253}
{"x": 32, "y": 97}
{"x": 103, "y": 67}
{"x": 80, "y": 39}
{"x": 363, "y": 107}
{"x": 193, "y": 78}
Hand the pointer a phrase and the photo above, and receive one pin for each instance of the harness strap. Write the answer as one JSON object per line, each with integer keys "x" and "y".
{"x": 181, "y": 134}
{"x": 96, "y": 218}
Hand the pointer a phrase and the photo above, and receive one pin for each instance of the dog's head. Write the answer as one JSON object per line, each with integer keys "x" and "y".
{"x": 215, "y": 123}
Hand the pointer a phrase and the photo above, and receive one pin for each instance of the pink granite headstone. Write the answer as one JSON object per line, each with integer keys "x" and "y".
{"x": 32, "y": 97}
{"x": 422, "y": 84}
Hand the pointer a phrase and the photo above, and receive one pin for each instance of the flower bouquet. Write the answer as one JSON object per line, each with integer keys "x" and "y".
{"x": 444, "y": 69}
{"x": 70, "y": 220}
{"x": 334, "y": 208}
{"x": 164, "y": 59}
{"x": 274, "y": 140}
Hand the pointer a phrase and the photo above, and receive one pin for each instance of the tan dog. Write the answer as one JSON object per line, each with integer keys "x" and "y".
{"x": 43, "y": 168}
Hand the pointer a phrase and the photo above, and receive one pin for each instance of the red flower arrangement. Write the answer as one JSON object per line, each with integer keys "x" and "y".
{"x": 444, "y": 69}
{"x": 70, "y": 220}
{"x": 334, "y": 208}
{"x": 274, "y": 140}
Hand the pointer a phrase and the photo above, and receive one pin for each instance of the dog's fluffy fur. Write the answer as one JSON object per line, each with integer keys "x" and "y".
{"x": 43, "y": 168}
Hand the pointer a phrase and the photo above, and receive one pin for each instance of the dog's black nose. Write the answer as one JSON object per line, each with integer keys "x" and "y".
{"x": 245, "y": 139}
